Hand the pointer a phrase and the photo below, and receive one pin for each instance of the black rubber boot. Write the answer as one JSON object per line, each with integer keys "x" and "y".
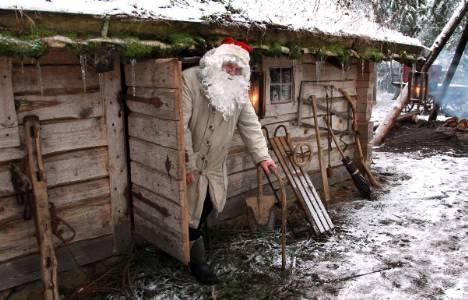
{"x": 198, "y": 266}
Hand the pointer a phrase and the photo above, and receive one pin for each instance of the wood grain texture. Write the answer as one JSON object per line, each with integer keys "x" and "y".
{"x": 154, "y": 73}
{"x": 27, "y": 81}
{"x": 117, "y": 163}
{"x": 75, "y": 106}
{"x": 64, "y": 197}
{"x": 26, "y": 269}
{"x": 9, "y": 134}
{"x": 156, "y": 102}
{"x": 90, "y": 221}
{"x": 73, "y": 135}
{"x": 158, "y": 131}
{"x": 157, "y": 182}
{"x": 162, "y": 159}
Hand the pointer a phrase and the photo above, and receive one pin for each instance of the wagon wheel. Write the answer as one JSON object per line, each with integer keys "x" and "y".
{"x": 408, "y": 107}
{"x": 428, "y": 104}
{"x": 302, "y": 154}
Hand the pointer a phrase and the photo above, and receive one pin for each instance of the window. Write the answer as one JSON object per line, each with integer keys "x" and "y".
{"x": 280, "y": 85}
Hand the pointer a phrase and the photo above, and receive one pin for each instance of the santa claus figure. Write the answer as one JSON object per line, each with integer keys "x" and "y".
{"x": 216, "y": 102}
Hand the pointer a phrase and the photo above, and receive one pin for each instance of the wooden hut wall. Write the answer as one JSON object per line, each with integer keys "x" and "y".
{"x": 83, "y": 146}
{"x": 357, "y": 81}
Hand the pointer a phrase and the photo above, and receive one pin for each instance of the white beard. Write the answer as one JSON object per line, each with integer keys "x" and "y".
{"x": 225, "y": 92}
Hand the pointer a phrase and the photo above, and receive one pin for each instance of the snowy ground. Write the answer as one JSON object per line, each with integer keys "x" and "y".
{"x": 409, "y": 242}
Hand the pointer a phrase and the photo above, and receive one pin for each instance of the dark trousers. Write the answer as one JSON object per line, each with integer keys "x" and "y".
{"x": 207, "y": 208}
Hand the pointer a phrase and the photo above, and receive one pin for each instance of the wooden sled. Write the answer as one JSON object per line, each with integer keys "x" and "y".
{"x": 315, "y": 212}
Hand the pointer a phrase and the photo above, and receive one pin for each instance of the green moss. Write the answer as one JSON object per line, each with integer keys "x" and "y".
{"x": 22, "y": 48}
{"x": 275, "y": 49}
{"x": 371, "y": 54}
{"x": 340, "y": 51}
{"x": 295, "y": 51}
{"x": 181, "y": 40}
{"x": 136, "y": 49}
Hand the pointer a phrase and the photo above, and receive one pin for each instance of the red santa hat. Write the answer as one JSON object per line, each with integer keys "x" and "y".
{"x": 232, "y": 47}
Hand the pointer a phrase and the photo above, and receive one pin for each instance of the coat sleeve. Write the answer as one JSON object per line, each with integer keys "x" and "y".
{"x": 187, "y": 100}
{"x": 251, "y": 133}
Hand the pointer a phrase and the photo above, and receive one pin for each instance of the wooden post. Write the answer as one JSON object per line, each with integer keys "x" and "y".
{"x": 323, "y": 168}
{"x": 41, "y": 204}
{"x": 9, "y": 133}
{"x": 451, "y": 71}
{"x": 118, "y": 175}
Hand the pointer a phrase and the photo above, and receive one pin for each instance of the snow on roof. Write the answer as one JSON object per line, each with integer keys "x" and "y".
{"x": 323, "y": 16}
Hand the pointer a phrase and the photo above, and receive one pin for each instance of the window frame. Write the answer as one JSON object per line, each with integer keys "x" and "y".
{"x": 281, "y": 67}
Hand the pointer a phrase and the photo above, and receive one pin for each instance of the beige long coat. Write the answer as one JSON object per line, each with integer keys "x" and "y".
{"x": 207, "y": 139}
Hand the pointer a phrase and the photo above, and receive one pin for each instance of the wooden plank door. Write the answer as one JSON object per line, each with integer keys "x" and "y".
{"x": 157, "y": 154}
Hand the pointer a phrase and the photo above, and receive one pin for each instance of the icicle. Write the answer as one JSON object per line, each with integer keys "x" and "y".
{"x": 413, "y": 68}
{"x": 101, "y": 84}
{"x": 362, "y": 67}
{"x": 83, "y": 71}
{"x": 318, "y": 66}
{"x": 132, "y": 70}
{"x": 342, "y": 72}
{"x": 39, "y": 75}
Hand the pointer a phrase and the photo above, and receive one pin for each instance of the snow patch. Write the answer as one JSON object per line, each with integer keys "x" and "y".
{"x": 311, "y": 15}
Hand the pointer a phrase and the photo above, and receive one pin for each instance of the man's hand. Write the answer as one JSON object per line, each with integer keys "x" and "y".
{"x": 189, "y": 178}
{"x": 268, "y": 164}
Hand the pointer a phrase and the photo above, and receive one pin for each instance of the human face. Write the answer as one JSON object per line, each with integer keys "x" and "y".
{"x": 232, "y": 69}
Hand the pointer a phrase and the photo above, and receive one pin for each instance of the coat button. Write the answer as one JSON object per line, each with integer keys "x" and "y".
{"x": 202, "y": 158}
{"x": 207, "y": 142}
{"x": 210, "y": 127}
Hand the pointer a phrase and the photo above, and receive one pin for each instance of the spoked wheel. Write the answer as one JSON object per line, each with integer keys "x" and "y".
{"x": 428, "y": 104}
{"x": 408, "y": 107}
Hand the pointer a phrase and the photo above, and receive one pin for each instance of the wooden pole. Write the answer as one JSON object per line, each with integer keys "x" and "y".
{"x": 390, "y": 118}
{"x": 451, "y": 71}
{"x": 323, "y": 169}
{"x": 41, "y": 205}
{"x": 362, "y": 160}
{"x": 436, "y": 48}
{"x": 445, "y": 34}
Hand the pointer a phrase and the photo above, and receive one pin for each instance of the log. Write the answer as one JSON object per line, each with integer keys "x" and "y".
{"x": 387, "y": 124}
{"x": 42, "y": 215}
{"x": 451, "y": 72}
{"x": 390, "y": 119}
{"x": 445, "y": 34}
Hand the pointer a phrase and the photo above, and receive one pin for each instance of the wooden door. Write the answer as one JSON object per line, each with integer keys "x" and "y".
{"x": 157, "y": 154}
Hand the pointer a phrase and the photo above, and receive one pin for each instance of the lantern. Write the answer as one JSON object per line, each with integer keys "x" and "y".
{"x": 417, "y": 86}
{"x": 256, "y": 93}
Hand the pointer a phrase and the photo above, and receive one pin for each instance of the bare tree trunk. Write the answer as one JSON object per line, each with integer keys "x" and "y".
{"x": 436, "y": 48}
{"x": 445, "y": 35}
{"x": 451, "y": 72}
{"x": 390, "y": 118}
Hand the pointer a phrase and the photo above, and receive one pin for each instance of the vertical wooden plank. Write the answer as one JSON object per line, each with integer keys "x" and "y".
{"x": 9, "y": 134}
{"x": 181, "y": 158}
{"x": 118, "y": 178}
